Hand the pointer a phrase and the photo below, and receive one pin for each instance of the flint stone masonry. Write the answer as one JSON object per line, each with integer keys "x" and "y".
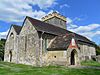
{"x": 35, "y": 46}
{"x": 98, "y": 58}
{"x": 55, "y": 19}
{"x": 29, "y": 45}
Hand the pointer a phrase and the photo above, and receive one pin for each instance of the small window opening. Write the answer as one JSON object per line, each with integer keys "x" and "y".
{"x": 54, "y": 56}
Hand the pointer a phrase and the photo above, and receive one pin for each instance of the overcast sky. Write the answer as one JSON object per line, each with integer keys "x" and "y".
{"x": 83, "y": 16}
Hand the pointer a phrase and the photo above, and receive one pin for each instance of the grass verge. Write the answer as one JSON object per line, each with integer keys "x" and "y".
{"x": 90, "y": 63}
{"x": 19, "y": 69}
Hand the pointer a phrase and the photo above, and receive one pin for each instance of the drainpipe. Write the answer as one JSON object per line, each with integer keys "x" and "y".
{"x": 41, "y": 39}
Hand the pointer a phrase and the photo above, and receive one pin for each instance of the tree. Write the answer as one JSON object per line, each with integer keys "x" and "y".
{"x": 2, "y": 46}
{"x": 97, "y": 49}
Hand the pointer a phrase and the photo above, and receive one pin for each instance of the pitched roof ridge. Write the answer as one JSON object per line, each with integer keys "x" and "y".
{"x": 45, "y": 22}
{"x": 16, "y": 25}
{"x": 17, "y": 28}
{"x": 61, "y": 32}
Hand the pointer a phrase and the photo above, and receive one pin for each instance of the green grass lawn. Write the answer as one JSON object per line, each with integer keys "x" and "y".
{"x": 19, "y": 69}
{"x": 90, "y": 63}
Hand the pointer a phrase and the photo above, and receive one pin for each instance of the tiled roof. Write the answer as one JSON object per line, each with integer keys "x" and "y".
{"x": 63, "y": 37}
{"x": 48, "y": 28}
{"x": 17, "y": 28}
{"x": 60, "y": 43}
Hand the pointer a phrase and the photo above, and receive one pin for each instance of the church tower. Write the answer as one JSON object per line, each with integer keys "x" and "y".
{"x": 55, "y": 19}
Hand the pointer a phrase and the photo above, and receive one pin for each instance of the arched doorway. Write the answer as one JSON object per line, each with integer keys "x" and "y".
{"x": 11, "y": 46}
{"x": 10, "y": 55}
{"x": 73, "y": 57}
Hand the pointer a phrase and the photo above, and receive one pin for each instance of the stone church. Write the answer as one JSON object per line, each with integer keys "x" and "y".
{"x": 47, "y": 42}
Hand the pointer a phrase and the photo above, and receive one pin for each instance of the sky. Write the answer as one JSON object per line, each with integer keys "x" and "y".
{"x": 83, "y": 16}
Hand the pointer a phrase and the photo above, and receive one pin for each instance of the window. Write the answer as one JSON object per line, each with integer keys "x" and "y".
{"x": 46, "y": 43}
{"x": 54, "y": 56}
{"x": 11, "y": 41}
{"x": 25, "y": 43}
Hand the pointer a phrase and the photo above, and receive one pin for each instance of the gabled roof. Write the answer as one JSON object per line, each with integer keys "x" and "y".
{"x": 48, "y": 28}
{"x": 17, "y": 28}
{"x": 62, "y": 41}
{"x": 45, "y": 27}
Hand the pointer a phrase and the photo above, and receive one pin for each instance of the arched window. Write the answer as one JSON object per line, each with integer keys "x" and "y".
{"x": 11, "y": 46}
{"x": 11, "y": 41}
{"x": 46, "y": 43}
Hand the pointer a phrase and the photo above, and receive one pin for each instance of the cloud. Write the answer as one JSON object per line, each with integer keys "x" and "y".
{"x": 64, "y": 5}
{"x": 97, "y": 33}
{"x": 16, "y": 10}
{"x": 36, "y": 14}
{"x": 44, "y": 3}
{"x": 70, "y": 24}
{"x": 69, "y": 20}
{"x": 87, "y": 28}
{"x": 90, "y": 31}
{"x": 3, "y": 34}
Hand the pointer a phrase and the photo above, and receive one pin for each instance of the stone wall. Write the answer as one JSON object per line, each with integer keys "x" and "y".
{"x": 11, "y": 47}
{"x": 55, "y": 58}
{"x": 87, "y": 51}
{"x": 29, "y": 45}
{"x": 55, "y": 19}
{"x": 77, "y": 56}
{"x": 98, "y": 58}
{"x": 57, "y": 22}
